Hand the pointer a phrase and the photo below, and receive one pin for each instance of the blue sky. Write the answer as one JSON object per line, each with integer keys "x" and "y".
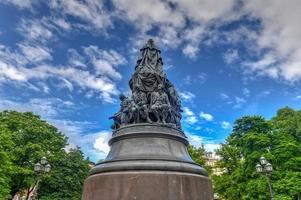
{"x": 68, "y": 60}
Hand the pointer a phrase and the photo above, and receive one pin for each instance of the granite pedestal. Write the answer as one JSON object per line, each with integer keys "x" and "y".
{"x": 148, "y": 162}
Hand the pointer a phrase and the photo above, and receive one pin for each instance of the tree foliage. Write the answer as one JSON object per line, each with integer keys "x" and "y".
{"x": 65, "y": 181}
{"x": 24, "y": 139}
{"x": 279, "y": 140}
{"x": 6, "y": 166}
{"x": 198, "y": 155}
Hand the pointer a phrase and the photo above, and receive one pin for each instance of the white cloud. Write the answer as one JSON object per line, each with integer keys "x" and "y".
{"x": 195, "y": 140}
{"x": 279, "y": 38}
{"x": 94, "y": 145}
{"x": 264, "y": 93}
{"x": 13, "y": 67}
{"x": 206, "y": 116}
{"x": 236, "y": 101}
{"x": 139, "y": 13}
{"x": 198, "y": 128}
{"x": 231, "y": 56}
{"x": 203, "y": 11}
{"x": 224, "y": 96}
{"x": 14, "y": 58}
{"x": 264, "y": 66}
{"x": 168, "y": 37}
{"x": 62, "y": 23}
{"x": 187, "y": 80}
{"x": 246, "y": 92}
{"x": 211, "y": 147}
{"x": 101, "y": 143}
{"x": 66, "y": 84}
{"x": 199, "y": 141}
{"x": 190, "y": 51}
{"x": 36, "y": 30}
{"x": 35, "y": 53}
{"x": 46, "y": 107}
{"x": 45, "y": 88}
{"x": 187, "y": 96}
{"x": 225, "y": 125}
{"x": 75, "y": 59}
{"x": 9, "y": 72}
{"x": 208, "y": 130}
{"x": 105, "y": 61}
{"x": 203, "y": 14}
{"x": 201, "y": 78}
{"x": 239, "y": 102}
{"x": 104, "y": 67}
{"x": 22, "y": 4}
{"x": 198, "y": 79}
{"x": 91, "y": 12}
{"x": 189, "y": 116}
{"x": 91, "y": 15}
{"x": 170, "y": 19}
{"x": 243, "y": 35}
{"x": 83, "y": 79}
{"x": 193, "y": 36}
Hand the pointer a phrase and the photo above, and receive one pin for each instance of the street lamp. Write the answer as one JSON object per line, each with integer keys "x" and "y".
{"x": 262, "y": 160}
{"x": 259, "y": 168}
{"x": 265, "y": 167}
{"x": 269, "y": 168}
{"x": 47, "y": 168}
{"x": 40, "y": 169}
{"x": 43, "y": 160}
{"x": 37, "y": 167}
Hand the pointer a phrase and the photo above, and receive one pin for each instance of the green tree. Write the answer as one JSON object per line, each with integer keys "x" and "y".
{"x": 33, "y": 138}
{"x": 278, "y": 140}
{"x": 198, "y": 155}
{"x": 27, "y": 138}
{"x": 286, "y": 153}
{"x": 65, "y": 180}
{"x": 6, "y": 166}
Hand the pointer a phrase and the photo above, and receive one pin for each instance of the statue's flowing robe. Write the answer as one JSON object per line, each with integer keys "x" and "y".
{"x": 145, "y": 98}
{"x": 149, "y": 71}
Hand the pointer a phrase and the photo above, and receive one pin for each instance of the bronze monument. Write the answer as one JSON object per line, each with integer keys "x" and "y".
{"x": 148, "y": 159}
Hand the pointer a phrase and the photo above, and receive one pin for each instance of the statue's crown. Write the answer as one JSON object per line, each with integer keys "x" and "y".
{"x": 150, "y": 43}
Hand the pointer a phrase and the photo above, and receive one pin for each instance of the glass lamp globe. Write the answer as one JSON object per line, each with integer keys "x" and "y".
{"x": 47, "y": 168}
{"x": 43, "y": 160}
{"x": 259, "y": 168}
{"x": 269, "y": 167}
{"x": 37, "y": 167}
{"x": 262, "y": 160}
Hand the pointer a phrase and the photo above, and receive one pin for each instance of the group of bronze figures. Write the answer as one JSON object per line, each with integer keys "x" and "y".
{"x": 154, "y": 98}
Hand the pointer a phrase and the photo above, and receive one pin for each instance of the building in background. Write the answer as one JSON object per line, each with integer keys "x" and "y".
{"x": 211, "y": 161}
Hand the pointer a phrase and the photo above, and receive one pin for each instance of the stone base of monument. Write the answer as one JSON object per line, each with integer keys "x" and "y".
{"x": 148, "y": 162}
{"x": 147, "y": 185}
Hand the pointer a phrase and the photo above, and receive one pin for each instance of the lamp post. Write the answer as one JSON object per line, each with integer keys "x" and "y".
{"x": 40, "y": 169}
{"x": 265, "y": 167}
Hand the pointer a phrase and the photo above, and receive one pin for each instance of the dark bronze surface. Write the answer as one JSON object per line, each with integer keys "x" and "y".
{"x": 147, "y": 185}
{"x": 148, "y": 159}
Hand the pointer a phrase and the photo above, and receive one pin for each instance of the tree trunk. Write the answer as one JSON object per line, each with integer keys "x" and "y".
{"x": 28, "y": 193}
